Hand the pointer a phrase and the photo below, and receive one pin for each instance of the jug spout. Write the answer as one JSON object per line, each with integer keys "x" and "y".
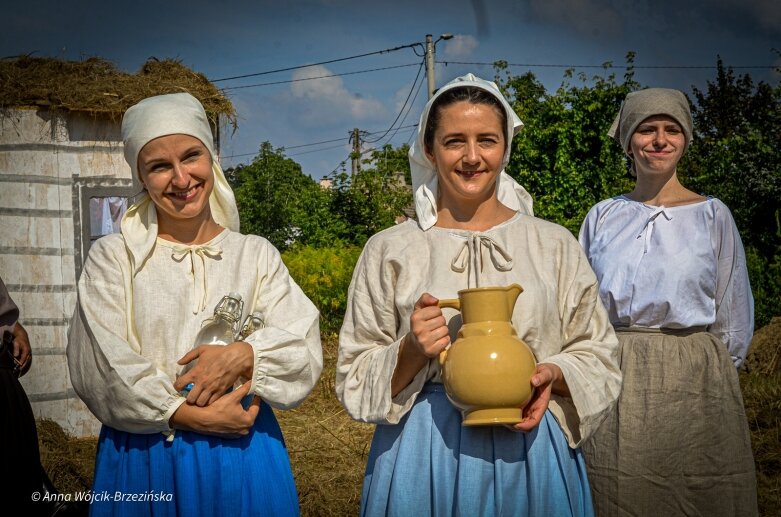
{"x": 513, "y": 291}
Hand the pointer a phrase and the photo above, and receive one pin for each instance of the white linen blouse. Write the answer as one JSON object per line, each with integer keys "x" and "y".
{"x": 672, "y": 267}
{"x": 559, "y": 314}
{"x": 129, "y": 331}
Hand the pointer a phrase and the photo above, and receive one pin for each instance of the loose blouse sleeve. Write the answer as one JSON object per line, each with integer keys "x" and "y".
{"x": 123, "y": 389}
{"x": 288, "y": 354}
{"x": 734, "y": 324}
{"x": 369, "y": 342}
{"x": 589, "y": 354}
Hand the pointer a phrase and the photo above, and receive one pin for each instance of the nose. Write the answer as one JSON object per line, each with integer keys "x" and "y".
{"x": 660, "y": 138}
{"x": 181, "y": 178}
{"x": 471, "y": 155}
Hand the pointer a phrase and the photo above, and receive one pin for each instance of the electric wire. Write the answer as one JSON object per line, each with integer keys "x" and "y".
{"x": 414, "y": 83}
{"x": 411, "y": 104}
{"x": 386, "y": 51}
{"x": 231, "y": 88}
{"x": 608, "y": 65}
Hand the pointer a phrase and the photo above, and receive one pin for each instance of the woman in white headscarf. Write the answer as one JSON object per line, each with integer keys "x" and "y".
{"x": 142, "y": 297}
{"x": 672, "y": 274}
{"x": 474, "y": 228}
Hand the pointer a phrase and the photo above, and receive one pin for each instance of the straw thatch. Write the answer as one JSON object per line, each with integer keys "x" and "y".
{"x": 96, "y": 86}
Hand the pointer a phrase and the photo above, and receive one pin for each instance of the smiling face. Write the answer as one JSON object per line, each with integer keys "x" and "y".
{"x": 177, "y": 173}
{"x": 657, "y": 145}
{"x": 467, "y": 151}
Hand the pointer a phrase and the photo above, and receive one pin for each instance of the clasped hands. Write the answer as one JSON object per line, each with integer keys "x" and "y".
{"x": 209, "y": 409}
{"x": 429, "y": 336}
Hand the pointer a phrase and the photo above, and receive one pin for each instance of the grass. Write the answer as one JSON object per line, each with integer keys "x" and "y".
{"x": 328, "y": 450}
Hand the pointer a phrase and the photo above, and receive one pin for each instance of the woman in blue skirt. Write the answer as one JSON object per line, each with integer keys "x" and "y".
{"x": 474, "y": 228}
{"x": 142, "y": 298}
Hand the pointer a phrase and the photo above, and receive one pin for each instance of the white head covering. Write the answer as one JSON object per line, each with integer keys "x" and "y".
{"x": 424, "y": 174}
{"x": 153, "y": 117}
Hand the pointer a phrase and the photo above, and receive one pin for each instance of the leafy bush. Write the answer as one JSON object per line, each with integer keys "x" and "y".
{"x": 324, "y": 274}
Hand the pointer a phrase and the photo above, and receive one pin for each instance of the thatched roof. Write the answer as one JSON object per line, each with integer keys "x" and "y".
{"x": 96, "y": 86}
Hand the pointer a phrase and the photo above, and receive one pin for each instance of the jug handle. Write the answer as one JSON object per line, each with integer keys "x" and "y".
{"x": 451, "y": 303}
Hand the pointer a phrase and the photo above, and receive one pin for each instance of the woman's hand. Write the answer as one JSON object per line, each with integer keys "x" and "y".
{"x": 226, "y": 418}
{"x": 546, "y": 380}
{"x": 22, "y": 351}
{"x": 427, "y": 337}
{"x": 218, "y": 368}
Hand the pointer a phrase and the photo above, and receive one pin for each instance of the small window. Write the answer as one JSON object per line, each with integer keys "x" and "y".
{"x": 105, "y": 215}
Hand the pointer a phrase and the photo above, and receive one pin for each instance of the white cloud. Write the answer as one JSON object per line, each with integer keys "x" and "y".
{"x": 329, "y": 98}
{"x": 460, "y": 47}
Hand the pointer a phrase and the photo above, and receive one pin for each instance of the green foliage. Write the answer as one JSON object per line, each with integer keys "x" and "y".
{"x": 563, "y": 155}
{"x": 734, "y": 154}
{"x": 324, "y": 274}
{"x": 373, "y": 198}
{"x": 278, "y": 201}
{"x": 765, "y": 275}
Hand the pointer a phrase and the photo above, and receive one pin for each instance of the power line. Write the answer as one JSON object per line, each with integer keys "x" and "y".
{"x": 318, "y": 77}
{"x": 420, "y": 68}
{"x": 606, "y": 65}
{"x": 406, "y": 114}
{"x": 386, "y": 51}
{"x": 288, "y": 147}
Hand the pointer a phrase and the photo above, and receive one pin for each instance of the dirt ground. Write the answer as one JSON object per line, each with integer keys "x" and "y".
{"x": 328, "y": 450}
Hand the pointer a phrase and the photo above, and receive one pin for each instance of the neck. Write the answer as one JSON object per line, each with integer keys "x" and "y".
{"x": 188, "y": 231}
{"x": 478, "y": 216}
{"x": 662, "y": 190}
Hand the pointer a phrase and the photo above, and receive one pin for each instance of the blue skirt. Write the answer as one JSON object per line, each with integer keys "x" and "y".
{"x": 429, "y": 464}
{"x": 194, "y": 474}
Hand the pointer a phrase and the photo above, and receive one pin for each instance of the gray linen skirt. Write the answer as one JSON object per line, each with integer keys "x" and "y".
{"x": 677, "y": 442}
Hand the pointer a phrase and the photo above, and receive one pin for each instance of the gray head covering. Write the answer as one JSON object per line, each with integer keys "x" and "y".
{"x": 642, "y": 104}
{"x": 163, "y": 115}
{"x": 424, "y": 174}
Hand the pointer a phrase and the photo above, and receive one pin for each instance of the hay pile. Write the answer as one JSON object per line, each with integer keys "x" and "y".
{"x": 328, "y": 450}
{"x": 97, "y": 86}
{"x": 760, "y": 383}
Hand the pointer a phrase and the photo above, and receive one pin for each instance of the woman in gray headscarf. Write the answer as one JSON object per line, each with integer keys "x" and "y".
{"x": 142, "y": 297}
{"x": 474, "y": 228}
{"x": 673, "y": 277}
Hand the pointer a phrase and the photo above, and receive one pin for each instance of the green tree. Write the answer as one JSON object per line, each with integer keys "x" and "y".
{"x": 278, "y": 201}
{"x": 375, "y": 196}
{"x": 735, "y": 156}
{"x": 563, "y": 155}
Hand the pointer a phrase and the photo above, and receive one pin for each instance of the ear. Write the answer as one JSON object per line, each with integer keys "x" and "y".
{"x": 430, "y": 157}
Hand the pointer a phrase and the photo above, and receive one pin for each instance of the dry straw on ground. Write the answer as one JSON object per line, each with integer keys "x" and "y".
{"x": 96, "y": 86}
{"x": 328, "y": 450}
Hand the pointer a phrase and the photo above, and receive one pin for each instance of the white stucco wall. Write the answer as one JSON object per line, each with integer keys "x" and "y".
{"x": 47, "y": 162}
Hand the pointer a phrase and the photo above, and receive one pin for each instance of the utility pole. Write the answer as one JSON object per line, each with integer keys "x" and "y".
{"x": 355, "y": 138}
{"x": 431, "y": 52}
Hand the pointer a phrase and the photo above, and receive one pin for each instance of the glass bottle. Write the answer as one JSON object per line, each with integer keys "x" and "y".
{"x": 219, "y": 329}
{"x": 253, "y": 322}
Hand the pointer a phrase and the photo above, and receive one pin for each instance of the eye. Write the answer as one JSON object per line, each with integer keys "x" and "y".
{"x": 158, "y": 167}
{"x": 451, "y": 143}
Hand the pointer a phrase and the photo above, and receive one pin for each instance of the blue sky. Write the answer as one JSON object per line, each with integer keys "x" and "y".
{"x": 246, "y": 37}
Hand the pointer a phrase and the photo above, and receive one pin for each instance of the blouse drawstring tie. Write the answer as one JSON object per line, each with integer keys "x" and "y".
{"x": 648, "y": 227}
{"x": 471, "y": 251}
{"x": 198, "y": 270}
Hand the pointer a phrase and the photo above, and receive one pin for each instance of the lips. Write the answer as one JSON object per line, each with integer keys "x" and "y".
{"x": 185, "y": 195}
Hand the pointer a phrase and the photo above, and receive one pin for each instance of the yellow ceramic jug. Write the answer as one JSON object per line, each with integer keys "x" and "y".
{"x": 487, "y": 370}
